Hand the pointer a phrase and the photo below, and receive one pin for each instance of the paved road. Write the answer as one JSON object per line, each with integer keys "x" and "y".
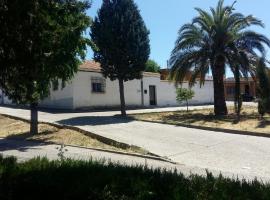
{"x": 233, "y": 154}
{"x": 25, "y": 150}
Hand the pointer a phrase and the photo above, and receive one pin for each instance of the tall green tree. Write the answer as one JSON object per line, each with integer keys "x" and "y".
{"x": 122, "y": 43}
{"x": 41, "y": 42}
{"x": 263, "y": 89}
{"x": 152, "y": 66}
{"x": 214, "y": 40}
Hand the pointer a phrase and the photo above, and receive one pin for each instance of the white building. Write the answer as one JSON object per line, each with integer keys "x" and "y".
{"x": 89, "y": 89}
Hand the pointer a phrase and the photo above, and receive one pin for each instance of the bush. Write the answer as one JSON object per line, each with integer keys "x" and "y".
{"x": 70, "y": 179}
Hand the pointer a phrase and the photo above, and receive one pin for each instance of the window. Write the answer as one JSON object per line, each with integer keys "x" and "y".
{"x": 98, "y": 84}
{"x": 230, "y": 90}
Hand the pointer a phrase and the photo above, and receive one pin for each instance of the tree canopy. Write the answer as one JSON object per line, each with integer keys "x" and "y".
{"x": 214, "y": 40}
{"x": 152, "y": 66}
{"x": 40, "y": 42}
{"x": 122, "y": 43}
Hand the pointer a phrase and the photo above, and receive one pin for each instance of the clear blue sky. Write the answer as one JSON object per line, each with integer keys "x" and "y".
{"x": 164, "y": 18}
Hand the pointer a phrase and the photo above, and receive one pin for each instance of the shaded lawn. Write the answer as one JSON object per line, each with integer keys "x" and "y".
{"x": 249, "y": 121}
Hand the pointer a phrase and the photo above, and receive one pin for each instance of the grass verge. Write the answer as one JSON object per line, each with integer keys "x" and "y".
{"x": 250, "y": 120}
{"x": 69, "y": 179}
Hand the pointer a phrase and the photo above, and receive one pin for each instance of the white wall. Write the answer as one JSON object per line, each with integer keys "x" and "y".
{"x": 78, "y": 93}
{"x": 83, "y": 96}
{"x": 61, "y": 98}
{"x": 166, "y": 92}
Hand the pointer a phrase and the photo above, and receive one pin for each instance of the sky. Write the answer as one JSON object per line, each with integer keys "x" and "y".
{"x": 164, "y": 19}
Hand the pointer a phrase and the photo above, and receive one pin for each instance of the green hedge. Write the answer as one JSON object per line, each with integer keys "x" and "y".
{"x": 69, "y": 179}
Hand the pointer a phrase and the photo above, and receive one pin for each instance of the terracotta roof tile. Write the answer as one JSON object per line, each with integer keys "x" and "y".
{"x": 90, "y": 65}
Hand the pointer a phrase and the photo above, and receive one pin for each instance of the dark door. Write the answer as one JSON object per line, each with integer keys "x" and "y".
{"x": 247, "y": 89}
{"x": 152, "y": 95}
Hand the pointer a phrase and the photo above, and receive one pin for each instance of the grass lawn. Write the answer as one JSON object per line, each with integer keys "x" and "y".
{"x": 69, "y": 179}
{"x": 18, "y": 129}
{"x": 250, "y": 119}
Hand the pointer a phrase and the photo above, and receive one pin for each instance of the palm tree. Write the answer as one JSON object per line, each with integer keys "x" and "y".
{"x": 213, "y": 41}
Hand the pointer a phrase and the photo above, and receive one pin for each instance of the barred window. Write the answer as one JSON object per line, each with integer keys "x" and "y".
{"x": 98, "y": 84}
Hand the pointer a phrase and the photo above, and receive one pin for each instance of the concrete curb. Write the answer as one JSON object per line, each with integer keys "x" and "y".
{"x": 236, "y": 132}
{"x": 102, "y": 139}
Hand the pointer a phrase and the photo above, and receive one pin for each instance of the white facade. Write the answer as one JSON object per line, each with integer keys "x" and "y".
{"x": 78, "y": 93}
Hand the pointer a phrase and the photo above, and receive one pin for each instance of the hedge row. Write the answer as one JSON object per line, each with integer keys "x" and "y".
{"x": 69, "y": 179}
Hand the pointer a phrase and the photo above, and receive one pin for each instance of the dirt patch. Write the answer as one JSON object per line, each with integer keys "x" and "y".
{"x": 249, "y": 121}
{"x": 19, "y": 129}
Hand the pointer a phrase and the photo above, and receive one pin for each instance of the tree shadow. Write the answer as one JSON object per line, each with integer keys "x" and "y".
{"x": 95, "y": 120}
{"x": 190, "y": 118}
{"x": 263, "y": 123}
{"x": 15, "y": 143}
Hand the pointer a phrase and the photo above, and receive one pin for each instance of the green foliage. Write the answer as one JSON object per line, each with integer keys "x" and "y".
{"x": 214, "y": 40}
{"x": 68, "y": 179}
{"x": 263, "y": 89}
{"x": 152, "y": 66}
{"x": 122, "y": 43}
{"x": 40, "y": 42}
{"x": 122, "y": 40}
{"x": 184, "y": 94}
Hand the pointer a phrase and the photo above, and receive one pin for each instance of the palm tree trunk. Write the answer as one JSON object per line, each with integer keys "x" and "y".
{"x": 218, "y": 72}
{"x": 122, "y": 98}
{"x": 34, "y": 119}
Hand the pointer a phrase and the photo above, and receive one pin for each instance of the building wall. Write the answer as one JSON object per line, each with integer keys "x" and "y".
{"x": 203, "y": 95}
{"x": 165, "y": 92}
{"x": 84, "y": 97}
{"x": 78, "y": 93}
{"x": 229, "y": 89}
{"x": 61, "y": 98}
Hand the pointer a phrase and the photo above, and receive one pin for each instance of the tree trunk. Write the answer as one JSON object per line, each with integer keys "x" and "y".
{"x": 34, "y": 119}
{"x": 237, "y": 98}
{"x": 187, "y": 105}
{"x": 218, "y": 72}
{"x": 122, "y": 98}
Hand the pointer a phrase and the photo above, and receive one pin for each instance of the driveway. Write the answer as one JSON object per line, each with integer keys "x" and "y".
{"x": 228, "y": 153}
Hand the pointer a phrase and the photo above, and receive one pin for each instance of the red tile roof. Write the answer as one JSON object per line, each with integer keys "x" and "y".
{"x": 90, "y": 65}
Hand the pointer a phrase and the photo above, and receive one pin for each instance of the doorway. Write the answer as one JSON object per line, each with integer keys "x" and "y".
{"x": 152, "y": 95}
{"x": 246, "y": 89}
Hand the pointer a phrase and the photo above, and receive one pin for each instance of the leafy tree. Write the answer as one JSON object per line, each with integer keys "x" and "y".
{"x": 184, "y": 94}
{"x": 40, "y": 42}
{"x": 213, "y": 41}
{"x": 263, "y": 89}
{"x": 122, "y": 42}
{"x": 152, "y": 66}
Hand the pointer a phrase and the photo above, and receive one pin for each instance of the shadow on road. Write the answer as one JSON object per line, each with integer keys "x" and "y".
{"x": 95, "y": 120}
{"x": 7, "y": 144}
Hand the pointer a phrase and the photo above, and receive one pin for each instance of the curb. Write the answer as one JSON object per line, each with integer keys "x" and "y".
{"x": 102, "y": 139}
{"x": 230, "y": 131}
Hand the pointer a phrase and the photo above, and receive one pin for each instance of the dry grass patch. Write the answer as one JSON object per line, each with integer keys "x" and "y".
{"x": 249, "y": 121}
{"x": 18, "y": 129}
